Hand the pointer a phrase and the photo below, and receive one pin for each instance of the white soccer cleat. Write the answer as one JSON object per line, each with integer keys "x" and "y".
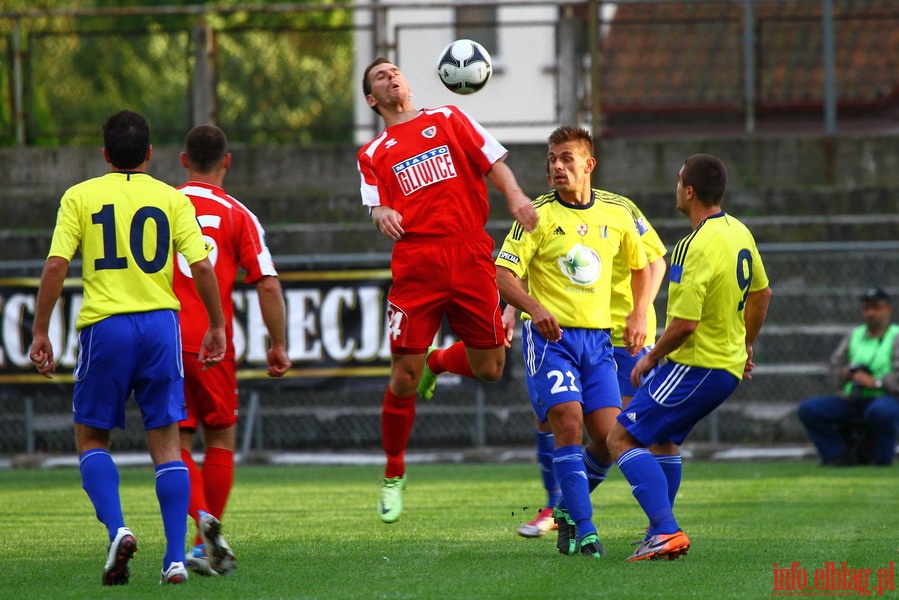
{"x": 542, "y": 523}
{"x": 218, "y": 552}
{"x": 198, "y": 562}
{"x": 176, "y": 573}
{"x": 121, "y": 549}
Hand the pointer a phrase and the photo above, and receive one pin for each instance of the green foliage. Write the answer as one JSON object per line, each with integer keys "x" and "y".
{"x": 296, "y": 89}
{"x": 80, "y": 79}
{"x": 312, "y": 532}
{"x": 280, "y": 76}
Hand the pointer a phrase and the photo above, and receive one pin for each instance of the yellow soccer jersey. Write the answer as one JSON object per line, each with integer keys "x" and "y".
{"x": 567, "y": 259}
{"x": 712, "y": 271}
{"x": 127, "y": 227}
{"x": 622, "y": 296}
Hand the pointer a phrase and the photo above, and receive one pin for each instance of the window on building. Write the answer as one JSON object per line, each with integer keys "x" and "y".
{"x": 479, "y": 23}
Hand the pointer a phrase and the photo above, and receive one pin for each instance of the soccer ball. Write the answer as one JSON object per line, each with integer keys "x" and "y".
{"x": 464, "y": 66}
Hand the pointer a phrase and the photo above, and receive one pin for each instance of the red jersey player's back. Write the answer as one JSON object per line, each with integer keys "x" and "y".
{"x": 431, "y": 169}
{"x": 212, "y": 396}
{"x": 239, "y": 242}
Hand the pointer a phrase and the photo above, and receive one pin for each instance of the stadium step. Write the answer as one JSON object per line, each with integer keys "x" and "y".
{"x": 360, "y": 237}
{"x": 806, "y": 344}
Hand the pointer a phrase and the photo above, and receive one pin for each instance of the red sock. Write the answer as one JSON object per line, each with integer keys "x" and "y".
{"x": 452, "y": 360}
{"x": 218, "y": 473}
{"x": 197, "y": 490}
{"x": 397, "y": 418}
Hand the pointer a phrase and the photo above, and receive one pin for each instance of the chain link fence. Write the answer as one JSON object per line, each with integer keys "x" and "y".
{"x": 816, "y": 291}
{"x": 276, "y": 73}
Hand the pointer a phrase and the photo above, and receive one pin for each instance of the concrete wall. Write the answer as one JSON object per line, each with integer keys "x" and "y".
{"x": 828, "y": 188}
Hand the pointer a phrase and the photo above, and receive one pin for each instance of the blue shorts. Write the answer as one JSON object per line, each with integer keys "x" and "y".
{"x": 577, "y": 368}
{"x": 625, "y": 364}
{"x": 139, "y": 353}
{"x": 674, "y": 400}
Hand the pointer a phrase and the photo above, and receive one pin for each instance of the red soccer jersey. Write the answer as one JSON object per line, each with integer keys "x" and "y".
{"x": 239, "y": 243}
{"x": 431, "y": 170}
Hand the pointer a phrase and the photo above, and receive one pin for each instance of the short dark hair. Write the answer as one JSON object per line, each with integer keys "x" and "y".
{"x": 126, "y": 137}
{"x": 206, "y": 146}
{"x": 567, "y": 133}
{"x": 366, "y": 84}
{"x": 708, "y": 177}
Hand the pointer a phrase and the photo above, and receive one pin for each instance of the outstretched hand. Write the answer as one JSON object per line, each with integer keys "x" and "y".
{"x": 546, "y": 324}
{"x": 388, "y": 221}
{"x": 212, "y": 351}
{"x": 42, "y": 356}
{"x": 644, "y": 365}
{"x": 509, "y": 324}
{"x": 634, "y": 333}
{"x": 522, "y": 210}
{"x": 278, "y": 363}
{"x": 749, "y": 366}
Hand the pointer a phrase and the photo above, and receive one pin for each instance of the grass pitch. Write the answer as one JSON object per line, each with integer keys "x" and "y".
{"x": 313, "y": 532}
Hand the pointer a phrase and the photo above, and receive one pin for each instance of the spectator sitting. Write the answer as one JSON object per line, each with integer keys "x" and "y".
{"x": 865, "y": 363}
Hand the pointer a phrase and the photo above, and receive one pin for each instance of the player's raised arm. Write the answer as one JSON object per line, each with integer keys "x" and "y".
{"x": 520, "y": 206}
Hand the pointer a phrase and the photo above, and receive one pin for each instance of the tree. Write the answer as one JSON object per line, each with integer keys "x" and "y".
{"x": 282, "y": 76}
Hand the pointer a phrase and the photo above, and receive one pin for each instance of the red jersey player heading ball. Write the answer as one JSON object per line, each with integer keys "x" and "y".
{"x": 423, "y": 181}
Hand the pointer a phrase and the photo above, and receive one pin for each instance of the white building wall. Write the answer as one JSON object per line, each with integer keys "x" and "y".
{"x": 518, "y": 104}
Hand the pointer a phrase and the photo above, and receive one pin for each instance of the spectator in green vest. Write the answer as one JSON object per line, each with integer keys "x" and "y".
{"x": 865, "y": 365}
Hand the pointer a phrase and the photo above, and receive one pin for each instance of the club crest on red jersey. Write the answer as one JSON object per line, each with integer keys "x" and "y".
{"x": 429, "y": 132}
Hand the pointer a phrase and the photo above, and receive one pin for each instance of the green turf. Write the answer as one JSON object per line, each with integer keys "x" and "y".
{"x": 313, "y": 532}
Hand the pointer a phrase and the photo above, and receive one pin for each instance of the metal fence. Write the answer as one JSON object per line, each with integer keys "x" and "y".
{"x": 816, "y": 286}
{"x": 272, "y": 73}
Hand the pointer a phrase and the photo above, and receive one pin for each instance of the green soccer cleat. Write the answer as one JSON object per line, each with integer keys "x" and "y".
{"x": 567, "y": 541}
{"x": 591, "y": 546}
{"x": 428, "y": 379}
{"x": 390, "y": 505}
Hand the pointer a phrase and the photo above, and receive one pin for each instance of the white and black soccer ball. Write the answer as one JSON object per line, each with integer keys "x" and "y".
{"x": 464, "y": 66}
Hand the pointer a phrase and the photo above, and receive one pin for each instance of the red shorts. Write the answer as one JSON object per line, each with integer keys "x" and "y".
{"x": 211, "y": 396}
{"x": 453, "y": 276}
